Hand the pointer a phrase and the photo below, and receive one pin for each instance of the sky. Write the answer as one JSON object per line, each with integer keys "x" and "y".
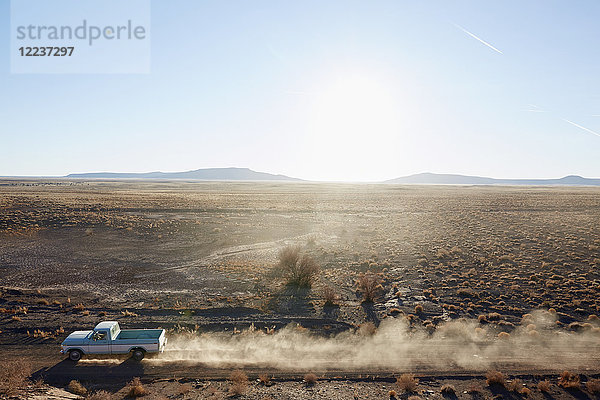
{"x": 325, "y": 90}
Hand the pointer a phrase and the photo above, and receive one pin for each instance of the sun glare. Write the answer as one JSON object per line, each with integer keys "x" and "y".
{"x": 355, "y": 119}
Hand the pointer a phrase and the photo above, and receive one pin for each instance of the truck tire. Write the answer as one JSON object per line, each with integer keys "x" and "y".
{"x": 75, "y": 355}
{"x": 138, "y": 354}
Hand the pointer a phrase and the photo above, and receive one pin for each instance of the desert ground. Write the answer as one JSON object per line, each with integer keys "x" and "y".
{"x": 487, "y": 292}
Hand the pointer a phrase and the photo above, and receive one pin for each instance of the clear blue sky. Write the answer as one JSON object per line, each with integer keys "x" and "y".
{"x": 326, "y": 90}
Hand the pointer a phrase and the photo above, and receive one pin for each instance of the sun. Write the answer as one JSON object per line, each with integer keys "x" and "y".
{"x": 355, "y": 119}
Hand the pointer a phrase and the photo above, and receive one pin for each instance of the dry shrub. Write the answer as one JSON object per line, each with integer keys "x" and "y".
{"x": 329, "y": 295}
{"x": 77, "y": 388}
{"x": 310, "y": 379}
{"x": 367, "y": 329}
{"x": 369, "y": 285}
{"x": 100, "y": 395}
{"x": 43, "y": 302}
{"x": 407, "y": 382}
{"x": 264, "y": 379}
{"x": 593, "y": 385}
{"x": 515, "y": 386}
{"x": 239, "y": 383}
{"x": 495, "y": 378}
{"x": 13, "y": 376}
{"x": 418, "y": 309}
{"x": 448, "y": 390}
{"x": 503, "y": 335}
{"x": 544, "y": 386}
{"x": 569, "y": 381}
{"x": 136, "y": 389}
{"x": 474, "y": 389}
{"x": 392, "y": 394}
{"x": 493, "y": 316}
{"x": 300, "y": 270}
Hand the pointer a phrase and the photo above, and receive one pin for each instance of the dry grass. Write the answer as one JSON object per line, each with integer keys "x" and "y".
{"x": 407, "y": 382}
{"x": 569, "y": 381}
{"x": 77, "y": 388}
{"x": 13, "y": 376}
{"x": 136, "y": 389}
{"x": 369, "y": 285}
{"x": 516, "y": 386}
{"x": 448, "y": 390}
{"x": 300, "y": 270}
{"x": 239, "y": 383}
{"x": 495, "y": 378}
{"x": 544, "y": 386}
{"x": 593, "y": 386}
{"x": 310, "y": 378}
{"x": 100, "y": 395}
{"x": 264, "y": 379}
{"x": 329, "y": 295}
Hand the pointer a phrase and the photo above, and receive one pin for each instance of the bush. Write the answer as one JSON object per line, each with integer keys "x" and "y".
{"x": 544, "y": 386}
{"x": 448, "y": 390}
{"x": 264, "y": 379}
{"x": 136, "y": 389}
{"x": 310, "y": 379}
{"x": 13, "y": 376}
{"x": 569, "y": 381}
{"x": 330, "y": 296}
{"x": 495, "y": 378}
{"x": 407, "y": 382}
{"x": 100, "y": 395}
{"x": 239, "y": 383}
{"x": 369, "y": 285}
{"x": 300, "y": 270}
{"x": 515, "y": 386}
{"x": 77, "y": 388}
{"x": 593, "y": 385}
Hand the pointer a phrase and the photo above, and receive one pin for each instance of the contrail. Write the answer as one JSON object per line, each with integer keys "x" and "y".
{"x": 581, "y": 127}
{"x": 475, "y": 37}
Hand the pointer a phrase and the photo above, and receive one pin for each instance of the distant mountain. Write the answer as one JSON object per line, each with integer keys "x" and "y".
{"x": 206, "y": 174}
{"x": 428, "y": 178}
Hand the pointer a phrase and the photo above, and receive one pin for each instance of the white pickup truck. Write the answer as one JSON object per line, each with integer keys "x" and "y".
{"x": 108, "y": 338}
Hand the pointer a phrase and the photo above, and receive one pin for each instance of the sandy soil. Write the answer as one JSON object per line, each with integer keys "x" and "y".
{"x": 201, "y": 259}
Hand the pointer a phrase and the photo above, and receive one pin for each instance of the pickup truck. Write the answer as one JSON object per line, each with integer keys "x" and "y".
{"x": 108, "y": 338}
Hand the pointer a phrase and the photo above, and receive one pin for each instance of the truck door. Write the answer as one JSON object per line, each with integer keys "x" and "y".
{"x": 99, "y": 342}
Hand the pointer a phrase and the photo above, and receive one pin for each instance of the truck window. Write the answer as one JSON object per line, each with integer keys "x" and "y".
{"x": 99, "y": 336}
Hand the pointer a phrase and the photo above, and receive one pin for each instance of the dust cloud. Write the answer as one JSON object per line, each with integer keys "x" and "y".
{"x": 394, "y": 345}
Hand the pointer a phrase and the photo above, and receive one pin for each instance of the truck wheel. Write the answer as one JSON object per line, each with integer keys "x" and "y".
{"x": 138, "y": 355}
{"x": 75, "y": 355}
